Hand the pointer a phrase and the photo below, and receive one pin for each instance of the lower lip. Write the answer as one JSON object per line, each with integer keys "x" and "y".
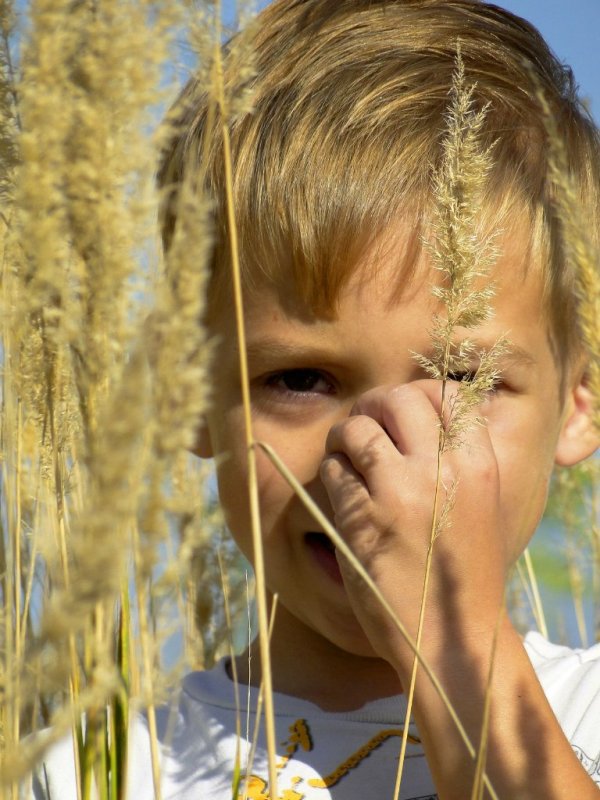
{"x": 325, "y": 558}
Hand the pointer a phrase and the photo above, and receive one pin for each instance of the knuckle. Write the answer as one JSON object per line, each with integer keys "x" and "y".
{"x": 407, "y": 399}
{"x": 367, "y": 399}
{"x": 448, "y": 474}
{"x": 329, "y": 468}
{"x": 357, "y": 433}
{"x": 483, "y": 462}
{"x": 371, "y": 453}
{"x": 353, "y": 516}
{"x": 488, "y": 472}
{"x": 405, "y": 393}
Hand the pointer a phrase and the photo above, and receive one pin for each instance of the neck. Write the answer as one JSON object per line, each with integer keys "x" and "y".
{"x": 306, "y": 665}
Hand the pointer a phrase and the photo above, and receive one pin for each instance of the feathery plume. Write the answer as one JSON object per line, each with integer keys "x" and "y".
{"x": 464, "y": 258}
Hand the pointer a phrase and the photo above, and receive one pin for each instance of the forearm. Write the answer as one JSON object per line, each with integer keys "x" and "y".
{"x": 528, "y": 756}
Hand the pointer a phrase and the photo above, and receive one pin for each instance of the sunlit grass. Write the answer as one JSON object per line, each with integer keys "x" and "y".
{"x": 111, "y": 554}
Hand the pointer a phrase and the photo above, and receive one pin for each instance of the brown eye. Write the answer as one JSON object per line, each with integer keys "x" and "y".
{"x": 468, "y": 376}
{"x": 460, "y": 377}
{"x": 301, "y": 381}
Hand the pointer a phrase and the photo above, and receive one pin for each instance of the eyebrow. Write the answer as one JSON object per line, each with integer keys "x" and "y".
{"x": 512, "y": 355}
{"x": 276, "y": 348}
{"x": 270, "y": 348}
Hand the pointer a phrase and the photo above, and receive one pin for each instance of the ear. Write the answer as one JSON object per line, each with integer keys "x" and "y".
{"x": 578, "y": 437}
{"x": 203, "y": 445}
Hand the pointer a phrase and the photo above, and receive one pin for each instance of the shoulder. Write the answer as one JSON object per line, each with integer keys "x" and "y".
{"x": 570, "y": 678}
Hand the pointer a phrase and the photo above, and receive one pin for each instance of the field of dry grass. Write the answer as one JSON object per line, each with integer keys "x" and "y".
{"x": 112, "y": 551}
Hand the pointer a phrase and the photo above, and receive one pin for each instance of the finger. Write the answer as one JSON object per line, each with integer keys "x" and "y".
{"x": 471, "y": 447}
{"x": 346, "y": 488}
{"x": 409, "y": 413}
{"x": 446, "y": 398}
{"x": 367, "y": 447}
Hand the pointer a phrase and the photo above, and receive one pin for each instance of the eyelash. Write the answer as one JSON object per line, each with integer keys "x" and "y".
{"x": 276, "y": 382}
{"x": 468, "y": 375}
{"x": 461, "y": 377}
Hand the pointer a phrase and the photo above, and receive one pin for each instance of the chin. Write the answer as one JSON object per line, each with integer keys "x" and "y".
{"x": 350, "y": 638}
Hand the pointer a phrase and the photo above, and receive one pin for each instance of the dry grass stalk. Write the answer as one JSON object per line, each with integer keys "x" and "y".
{"x": 478, "y": 790}
{"x": 259, "y": 707}
{"x": 463, "y": 257}
{"x": 532, "y": 588}
{"x": 92, "y": 393}
{"x": 90, "y": 417}
{"x": 224, "y": 111}
{"x": 575, "y": 504}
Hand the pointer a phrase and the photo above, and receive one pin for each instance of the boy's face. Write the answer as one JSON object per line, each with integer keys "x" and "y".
{"x": 307, "y": 373}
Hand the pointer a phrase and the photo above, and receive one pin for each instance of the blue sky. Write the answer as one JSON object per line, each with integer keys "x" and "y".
{"x": 571, "y": 27}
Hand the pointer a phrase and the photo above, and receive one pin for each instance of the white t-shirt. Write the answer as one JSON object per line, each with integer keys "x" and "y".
{"x": 321, "y": 755}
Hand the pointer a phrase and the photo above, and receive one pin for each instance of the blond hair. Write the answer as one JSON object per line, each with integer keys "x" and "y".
{"x": 349, "y": 104}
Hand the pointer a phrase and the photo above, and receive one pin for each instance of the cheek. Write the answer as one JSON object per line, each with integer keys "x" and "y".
{"x": 525, "y": 472}
{"x": 274, "y": 496}
{"x": 228, "y": 444}
{"x": 233, "y": 496}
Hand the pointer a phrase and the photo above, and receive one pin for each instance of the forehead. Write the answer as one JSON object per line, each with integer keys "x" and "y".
{"x": 381, "y": 319}
{"x": 376, "y": 333}
{"x": 386, "y": 289}
{"x": 399, "y": 265}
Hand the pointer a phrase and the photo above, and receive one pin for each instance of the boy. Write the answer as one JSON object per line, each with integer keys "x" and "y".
{"x": 332, "y": 188}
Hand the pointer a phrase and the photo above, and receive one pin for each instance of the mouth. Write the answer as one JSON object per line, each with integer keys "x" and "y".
{"x": 323, "y": 552}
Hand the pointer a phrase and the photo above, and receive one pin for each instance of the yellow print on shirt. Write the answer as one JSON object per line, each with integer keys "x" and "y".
{"x": 355, "y": 759}
{"x": 299, "y": 737}
{"x": 255, "y": 788}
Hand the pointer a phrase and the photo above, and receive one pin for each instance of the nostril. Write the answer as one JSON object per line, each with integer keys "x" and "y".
{"x": 317, "y": 539}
